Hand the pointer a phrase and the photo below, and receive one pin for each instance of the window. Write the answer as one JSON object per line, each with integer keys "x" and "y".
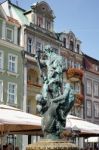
{"x": 9, "y": 35}
{"x": 64, "y": 42}
{"x": 32, "y": 76}
{"x": 1, "y": 91}
{"x": 96, "y": 68}
{"x": 0, "y": 28}
{"x": 29, "y": 107}
{"x": 1, "y": 60}
{"x": 12, "y": 63}
{"x": 71, "y": 45}
{"x": 77, "y": 87}
{"x": 66, "y": 62}
{"x": 78, "y": 65}
{"x": 48, "y": 25}
{"x": 96, "y": 89}
{"x": 78, "y": 48}
{"x": 11, "y": 139}
{"x": 89, "y": 108}
{"x": 29, "y": 45}
{"x": 70, "y": 63}
{"x": 96, "y": 109}
{"x": 38, "y": 46}
{"x": 89, "y": 87}
{"x": 12, "y": 93}
{"x": 39, "y": 21}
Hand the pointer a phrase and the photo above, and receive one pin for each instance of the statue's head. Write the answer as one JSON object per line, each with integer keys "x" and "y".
{"x": 39, "y": 97}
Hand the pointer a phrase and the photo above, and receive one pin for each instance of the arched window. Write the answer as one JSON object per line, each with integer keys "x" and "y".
{"x": 78, "y": 48}
{"x": 64, "y": 42}
{"x": 71, "y": 45}
{"x": 40, "y": 21}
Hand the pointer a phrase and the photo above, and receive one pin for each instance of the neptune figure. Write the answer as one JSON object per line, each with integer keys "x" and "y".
{"x": 56, "y": 99}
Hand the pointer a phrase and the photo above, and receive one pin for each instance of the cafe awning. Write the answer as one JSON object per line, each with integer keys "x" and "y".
{"x": 86, "y": 128}
{"x": 16, "y": 121}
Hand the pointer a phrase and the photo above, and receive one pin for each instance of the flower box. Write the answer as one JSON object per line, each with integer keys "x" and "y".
{"x": 74, "y": 73}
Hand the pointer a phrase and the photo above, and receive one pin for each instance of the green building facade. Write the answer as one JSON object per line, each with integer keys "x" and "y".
{"x": 11, "y": 68}
{"x": 11, "y": 62}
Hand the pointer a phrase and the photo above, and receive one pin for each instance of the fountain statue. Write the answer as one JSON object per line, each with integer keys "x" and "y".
{"x": 56, "y": 98}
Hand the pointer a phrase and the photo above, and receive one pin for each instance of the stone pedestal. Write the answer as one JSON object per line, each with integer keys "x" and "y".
{"x": 52, "y": 145}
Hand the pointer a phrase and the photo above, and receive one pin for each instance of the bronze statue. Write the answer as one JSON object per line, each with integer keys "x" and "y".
{"x": 55, "y": 100}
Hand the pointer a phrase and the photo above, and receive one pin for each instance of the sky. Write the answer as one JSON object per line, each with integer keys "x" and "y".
{"x": 79, "y": 16}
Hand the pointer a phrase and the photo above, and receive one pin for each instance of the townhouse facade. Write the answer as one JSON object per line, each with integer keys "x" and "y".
{"x": 71, "y": 51}
{"x": 11, "y": 75}
{"x": 38, "y": 34}
{"x": 91, "y": 89}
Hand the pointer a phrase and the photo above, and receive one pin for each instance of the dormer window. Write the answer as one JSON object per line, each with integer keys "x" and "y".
{"x": 71, "y": 45}
{"x": 48, "y": 25}
{"x": 64, "y": 42}
{"x": 78, "y": 48}
{"x": 96, "y": 68}
{"x": 40, "y": 21}
{"x": 9, "y": 34}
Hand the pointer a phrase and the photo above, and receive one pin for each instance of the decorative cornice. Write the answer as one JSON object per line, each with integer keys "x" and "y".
{"x": 65, "y": 50}
{"x": 44, "y": 33}
{"x": 10, "y": 45}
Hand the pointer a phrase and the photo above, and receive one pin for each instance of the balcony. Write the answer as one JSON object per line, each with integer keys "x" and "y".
{"x": 33, "y": 89}
{"x": 74, "y": 74}
{"x": 79, "y": 98}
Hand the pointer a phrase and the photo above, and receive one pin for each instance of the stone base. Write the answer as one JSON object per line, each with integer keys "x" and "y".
{"x": 52, "y": 145}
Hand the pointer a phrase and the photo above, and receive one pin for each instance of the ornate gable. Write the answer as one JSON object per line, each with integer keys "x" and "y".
{"x": 44, "y": 9}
